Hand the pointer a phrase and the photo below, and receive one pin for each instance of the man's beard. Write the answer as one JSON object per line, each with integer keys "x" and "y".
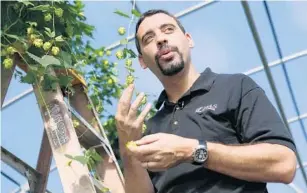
{"x": 172, "y": 67}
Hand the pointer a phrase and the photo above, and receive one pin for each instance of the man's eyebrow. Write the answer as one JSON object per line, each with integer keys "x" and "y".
{"x": 161, "y": 27}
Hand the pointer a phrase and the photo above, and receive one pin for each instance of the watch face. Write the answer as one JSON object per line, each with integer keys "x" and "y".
{"x": 200, "y": 155}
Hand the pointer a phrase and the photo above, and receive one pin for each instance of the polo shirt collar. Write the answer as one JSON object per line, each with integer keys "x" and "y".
{"x": 203, "y": 82}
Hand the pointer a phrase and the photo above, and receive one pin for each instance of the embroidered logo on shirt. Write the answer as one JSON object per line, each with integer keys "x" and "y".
{"x": 205, "y": 108}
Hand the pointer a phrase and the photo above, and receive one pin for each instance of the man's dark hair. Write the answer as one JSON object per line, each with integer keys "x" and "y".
{"x": 148, "y": 14}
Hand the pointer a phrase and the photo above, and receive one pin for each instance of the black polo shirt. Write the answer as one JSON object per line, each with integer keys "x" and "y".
{"x": 222, "y": 108}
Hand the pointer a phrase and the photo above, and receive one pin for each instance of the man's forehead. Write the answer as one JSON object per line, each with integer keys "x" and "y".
{"x": 155, "y": 21}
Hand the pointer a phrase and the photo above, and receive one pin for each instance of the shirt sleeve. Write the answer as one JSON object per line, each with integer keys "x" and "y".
{"x": 258, "y": 120}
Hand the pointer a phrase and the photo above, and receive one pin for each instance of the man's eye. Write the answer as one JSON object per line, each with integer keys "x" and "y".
{"x": 148, "y": 39}
{"x": 169, "y": 29}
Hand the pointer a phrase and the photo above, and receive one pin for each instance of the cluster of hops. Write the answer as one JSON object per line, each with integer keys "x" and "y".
{"x": 8, "y": 62}
{"x": 38, "y": 42}
{"x": 105, "y": 64}
{"x": 110, "y": 81}
{"x": 47, "y": 46}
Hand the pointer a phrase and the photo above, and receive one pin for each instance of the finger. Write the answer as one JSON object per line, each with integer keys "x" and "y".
{"x": 142, "y": 151}
{"x": 148, "y": 139}
{"x": 152, "y": 166}
{"x": 143, "y": 114}
{"x": 124, "y": 101}
{"x": 134, "y": 107}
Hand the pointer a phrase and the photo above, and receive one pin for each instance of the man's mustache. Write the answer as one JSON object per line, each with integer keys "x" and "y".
{"x": 165, "y": 47}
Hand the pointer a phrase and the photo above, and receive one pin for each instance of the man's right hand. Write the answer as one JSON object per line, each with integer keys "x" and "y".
{"x": 128, "y": 124}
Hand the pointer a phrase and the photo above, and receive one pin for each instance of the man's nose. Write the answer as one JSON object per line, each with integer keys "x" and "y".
{"x": 161, "y": 41}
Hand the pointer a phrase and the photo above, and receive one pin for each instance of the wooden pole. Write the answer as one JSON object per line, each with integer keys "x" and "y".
{"x": 6, "y": 76}
{"x": 63, "y": 140}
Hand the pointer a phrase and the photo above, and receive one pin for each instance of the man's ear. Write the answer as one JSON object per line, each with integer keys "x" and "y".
{"x": 142, "y": 63}
{"x": 190, "y": 40}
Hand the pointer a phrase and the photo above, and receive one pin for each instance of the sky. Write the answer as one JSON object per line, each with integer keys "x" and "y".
{"x": 223, "y": 42}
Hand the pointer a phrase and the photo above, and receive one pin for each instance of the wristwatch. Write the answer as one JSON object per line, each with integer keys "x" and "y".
{"x": 200, "y": 154}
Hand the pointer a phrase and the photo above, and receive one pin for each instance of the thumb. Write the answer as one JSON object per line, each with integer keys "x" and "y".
{"x": 148, "y": 139}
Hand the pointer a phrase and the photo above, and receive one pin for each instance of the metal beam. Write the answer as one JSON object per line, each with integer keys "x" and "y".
{"x": 17, "y": 98}
{"x": 21, "y": 167}
{"x": 264, "y": 61}
{"x": 178, "y": 15}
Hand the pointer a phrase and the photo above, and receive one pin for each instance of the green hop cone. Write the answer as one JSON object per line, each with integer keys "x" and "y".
{"x": 30, "y": 30}
{"x": 110, "y": 81}
{"x": 119, "y": 54}
{"x": 129, "y": 80}
{"x": 47, "y": 46}
{"x": 47, "y": 17}
{"x": 128, "y": 62}
{"x": 55, "y": 50}
{"x": 75, "y": 123}
{"x": 38, "y": 43}
{"x": 121, "y": 31}
{"x": 105, "y": 63}
{"x": 144, "y": 127}
{"x": 33, "y": 37}
{"x": 100, "y": 53}
{"x": 59, "y": 12}
{"x": 108, "y": 53}
{"x": 144, "y": 100}
{"x": 131, "y": 144}
{"x": 10, "y": 50}
{"x": 8, "y": 63}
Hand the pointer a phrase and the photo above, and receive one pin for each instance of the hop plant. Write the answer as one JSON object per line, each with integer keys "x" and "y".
{"x": 105, "y": 63}
{"x": 10, "y": 50}
{"x": 119, "y": 54}
{"x": 100, "y": 53}
{"x": 30, "y": 30}
{"x": 121, "y": 31}
{"x": 110, "y": 82}
{"x": 129, "y": 79}
{"x": 38, "y": 43}
{"x": 131, "y": 144}
{"x": 8, "y": 63}
{"x": 47, "y": 46}
{"x": 144, "y": 100}
{"x": 55, "y": 50}
{"x": 128, "y": 62}
{"x": 75, "y": 123}
{"x": 144, "y": 127}
{"x": 108, "y": 53}
{"x": 47, "y": 17}
{"x": 59, "y": 12}
{"x": 33, "y": 37}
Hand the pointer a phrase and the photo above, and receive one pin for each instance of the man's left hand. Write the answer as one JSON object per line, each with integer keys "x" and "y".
{"x": 158, "y": 152}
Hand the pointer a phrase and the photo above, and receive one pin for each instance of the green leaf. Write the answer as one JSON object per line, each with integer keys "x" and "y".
{"x": 49, "y": 82}
{"x": 136, "y": 13}
{"x": 69, "y": 156}
{"x": 46, "y": 60}
{"x": 48, "y": 29}
{"x": 14, "y": 37}
{"x": 65, "y": 81}
{"x": 43, "y": 8}
{"x": 124, "y": 41}
{"x": 59, "y": 39}
{"x": 122, "y": 13}
{"x": 25, "y": 2}
{"x": 132, "y": 54}
{"x": 65, "y": 59}
{"x": 96, "y": 157}
{"x": 28, "y": 78}
{"x": 80, "y": 158}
